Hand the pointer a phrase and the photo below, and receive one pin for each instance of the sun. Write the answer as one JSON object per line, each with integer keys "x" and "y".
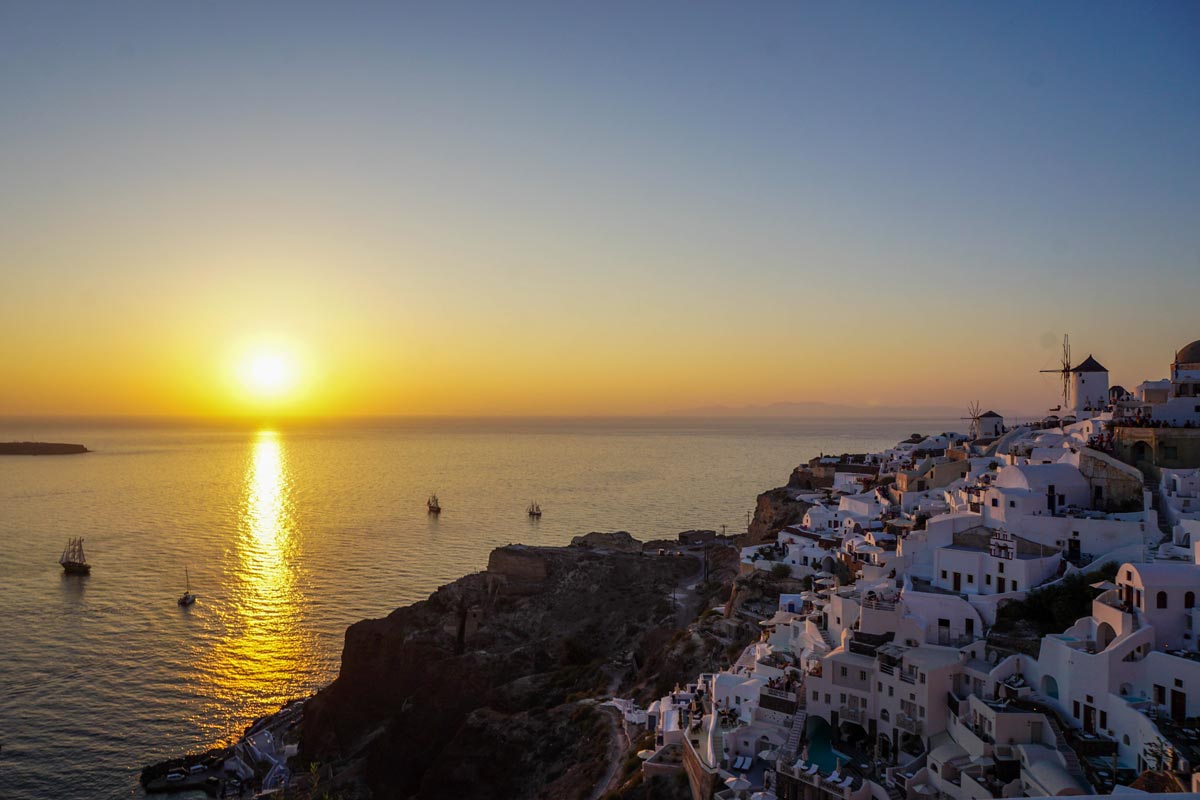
{"x": 267, "y": 374}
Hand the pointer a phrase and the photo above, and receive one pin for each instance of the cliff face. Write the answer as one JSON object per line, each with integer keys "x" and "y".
{"x": 774, "y": 511}
{"x": 468, "y": 694}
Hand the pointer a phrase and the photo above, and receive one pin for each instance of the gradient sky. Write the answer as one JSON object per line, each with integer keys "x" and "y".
{"x": 574, "y": 208}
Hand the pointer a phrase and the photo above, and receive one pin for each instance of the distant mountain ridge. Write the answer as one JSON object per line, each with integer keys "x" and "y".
{"x": 820, "y": 409}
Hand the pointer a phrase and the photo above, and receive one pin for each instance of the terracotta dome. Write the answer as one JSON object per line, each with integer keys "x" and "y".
{"x": 1189, "y": 354}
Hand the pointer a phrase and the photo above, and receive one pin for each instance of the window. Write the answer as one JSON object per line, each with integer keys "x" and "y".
{"x": 891, "y": 691}
{"x": 884, "y": 715}
{"x": 880, "y": 685}
{"x": 1103, "y": 719}
{"x": 922, "y": 677}
{"x": 1178, "y": 683}
{"x": 943, "y": 574}
{"x": 1161, "y": 600}
{"x": 843, "y": 672}
{"x": 816, "y": 695}
{"x": 1076, "y": 708}
{"x": 1012, "y": 503}
{"x": 1000, "y": 567}
{"x": 995, "y": 502}
{"x": 1015, "y": 585}
{"x": 970, "y": 578}
{"x": 1189, "y": 600}
{"x": 988, "y": 580}
{"x": 862, "y": 674}
{"x": 842, "y": 698}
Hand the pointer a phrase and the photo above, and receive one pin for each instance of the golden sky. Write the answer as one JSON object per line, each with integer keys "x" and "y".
{"x": 539, "y": 214}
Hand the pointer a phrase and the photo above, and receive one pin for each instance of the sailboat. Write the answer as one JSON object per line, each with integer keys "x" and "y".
{"x": 534, "y": 509}
{"x": 433, "y": 505}
{"x": 187, "y": 598}
{"x": 73, "y": 561}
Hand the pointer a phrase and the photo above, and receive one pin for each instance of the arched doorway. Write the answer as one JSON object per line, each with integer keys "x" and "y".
{"x": 1050, "y": 687}
{"x": 1104, "y": 636}
{"x": 1142, "y": 451}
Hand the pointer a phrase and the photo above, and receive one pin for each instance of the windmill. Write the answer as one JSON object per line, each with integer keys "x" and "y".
{"x": 1065, "y": 372}
{"x": 973, "y": 415}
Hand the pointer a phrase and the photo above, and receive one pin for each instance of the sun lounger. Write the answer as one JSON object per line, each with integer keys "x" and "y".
{"x": 812, "y": 770}
{"x": 846, "y": 783}
{"x": 740, "y": 763}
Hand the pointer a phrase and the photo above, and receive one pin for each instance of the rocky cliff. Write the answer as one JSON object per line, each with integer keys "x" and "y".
{"x": 774, "y": 511}
{"x": 484, "y": 689}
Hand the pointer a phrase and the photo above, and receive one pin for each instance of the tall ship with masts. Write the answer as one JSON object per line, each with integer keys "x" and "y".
{"x": 534, "y": 510}
{"x": 73, "y": 560}
{"x": 433, "y": 505}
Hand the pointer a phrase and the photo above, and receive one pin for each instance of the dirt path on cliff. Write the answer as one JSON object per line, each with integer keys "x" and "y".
{"x": 688, "y": 598}
{"x": 618, "y": 746}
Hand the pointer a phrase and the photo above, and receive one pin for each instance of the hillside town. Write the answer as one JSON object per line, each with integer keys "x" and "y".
{"x": 1004, "y": 612}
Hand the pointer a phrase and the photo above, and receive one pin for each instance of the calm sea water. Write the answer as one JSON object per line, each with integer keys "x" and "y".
{"x": 290, "y": 536}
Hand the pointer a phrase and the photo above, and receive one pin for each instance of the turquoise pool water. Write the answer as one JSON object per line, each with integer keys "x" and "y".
{"x": 821, "y": 752}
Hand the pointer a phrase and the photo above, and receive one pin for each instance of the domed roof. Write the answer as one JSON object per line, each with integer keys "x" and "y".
{"x": 1189, "y": 354}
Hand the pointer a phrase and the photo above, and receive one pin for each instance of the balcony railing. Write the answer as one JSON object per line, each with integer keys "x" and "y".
{"x": 906, "y": 723}
{"x": 908, "y": 677}
{"x": 855, "y": 714}
{"x": 887, "y": 669}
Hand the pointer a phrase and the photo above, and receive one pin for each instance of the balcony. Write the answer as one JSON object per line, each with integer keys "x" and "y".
{"x": 855, "y": 714}
{"x": 887, "y": 669}
{"x": 906, "y": 723}
{"x": 908, "y": 677}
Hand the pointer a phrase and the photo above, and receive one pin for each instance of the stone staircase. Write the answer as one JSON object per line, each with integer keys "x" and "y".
{"x": 827, "y": 638}
{"x": 1074, "y": 768}
{"x": 1154, "y": 487}
{"x": 792, "y": 746}
{"x": 894, "y": 792}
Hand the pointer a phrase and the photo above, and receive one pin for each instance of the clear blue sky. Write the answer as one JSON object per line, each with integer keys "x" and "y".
{"x": 649, "y": 196}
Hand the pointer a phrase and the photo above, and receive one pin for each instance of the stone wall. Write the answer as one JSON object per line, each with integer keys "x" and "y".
{"x": 1176, "y": 448}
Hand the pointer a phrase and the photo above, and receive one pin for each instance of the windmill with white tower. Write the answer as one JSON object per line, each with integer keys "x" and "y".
{"x": 1084, "y": 386}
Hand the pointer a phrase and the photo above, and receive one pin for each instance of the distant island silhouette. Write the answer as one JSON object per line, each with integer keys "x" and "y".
{"x": 40, "y": 449}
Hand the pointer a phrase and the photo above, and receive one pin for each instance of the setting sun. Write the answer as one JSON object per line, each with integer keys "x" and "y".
{"x": 267, "y": 374}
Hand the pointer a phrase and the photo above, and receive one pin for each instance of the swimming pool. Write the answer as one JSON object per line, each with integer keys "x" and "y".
{"x": 821, "y": 752}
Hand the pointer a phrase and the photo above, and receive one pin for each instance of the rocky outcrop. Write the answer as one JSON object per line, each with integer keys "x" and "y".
{"x": 775, "y": 510}
{"x": 620, "y": 541}
{"x": 468, "y": 693}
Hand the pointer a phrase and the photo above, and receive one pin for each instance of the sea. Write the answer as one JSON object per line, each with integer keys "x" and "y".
{"x": 288, "y": 534}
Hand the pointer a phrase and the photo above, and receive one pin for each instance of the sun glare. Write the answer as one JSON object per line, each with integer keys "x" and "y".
{"x": 267, "y": 374}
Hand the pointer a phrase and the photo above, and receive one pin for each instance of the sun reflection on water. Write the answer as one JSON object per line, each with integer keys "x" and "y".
{"x": 263, "y": 657}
